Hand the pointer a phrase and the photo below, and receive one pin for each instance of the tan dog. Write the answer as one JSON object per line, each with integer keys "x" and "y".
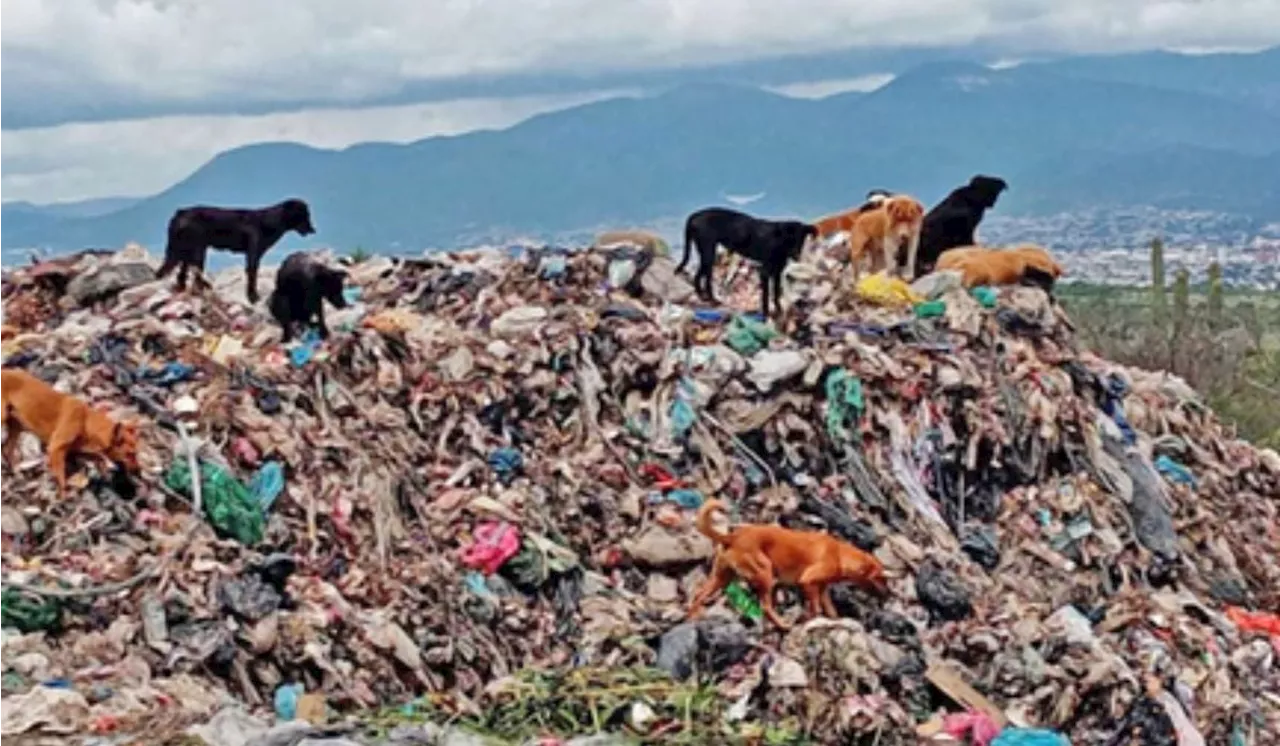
{"x": 64, "y": 424}
{"x": 766, "y": 555}
{"x": 980, "y": 266}
{"x": 879, "y": 226}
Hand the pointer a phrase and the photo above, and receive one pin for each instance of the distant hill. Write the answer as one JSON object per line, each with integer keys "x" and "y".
{"x": 1070, "y": 134}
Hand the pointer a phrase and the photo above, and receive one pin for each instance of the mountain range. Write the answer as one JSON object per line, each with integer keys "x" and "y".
{"x": 1173, "y": 131}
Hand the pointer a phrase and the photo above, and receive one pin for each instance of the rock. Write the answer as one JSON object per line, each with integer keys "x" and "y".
{"x": 706, "y": 645}
{"x": 659, "y": 547}
{"x": 678, "y": 650}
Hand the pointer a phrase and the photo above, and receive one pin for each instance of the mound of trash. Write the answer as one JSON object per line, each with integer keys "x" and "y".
{"x": 472, "y": 506}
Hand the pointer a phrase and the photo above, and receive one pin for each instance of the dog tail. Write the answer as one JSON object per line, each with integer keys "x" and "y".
{"x": 688, "y": 242}
{"x": 704, "y": 522}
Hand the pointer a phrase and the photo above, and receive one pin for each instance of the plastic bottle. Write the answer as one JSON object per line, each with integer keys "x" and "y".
{"x": 743, "y": 601}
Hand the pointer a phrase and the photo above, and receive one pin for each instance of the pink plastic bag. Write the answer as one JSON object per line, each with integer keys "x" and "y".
{"x": 495, "y": 544}
{"x": 976, "y": 725}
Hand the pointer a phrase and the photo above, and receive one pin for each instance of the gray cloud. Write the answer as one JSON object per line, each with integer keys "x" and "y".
{"x": 195, "y": 77}
{"x": 69, "y": 59}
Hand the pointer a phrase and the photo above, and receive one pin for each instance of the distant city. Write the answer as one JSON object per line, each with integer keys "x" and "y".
{"x": 1112, "y": 247}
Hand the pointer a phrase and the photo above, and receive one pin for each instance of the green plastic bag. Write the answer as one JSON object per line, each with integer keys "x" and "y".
{"x": 747, "y": 336}
{"x": 229, "y": 505}
{"x": 985, "y": 295}
{"x": 28, "y": 614}
{"x": 930, "y": 309}
{"x": 844, "y": 403}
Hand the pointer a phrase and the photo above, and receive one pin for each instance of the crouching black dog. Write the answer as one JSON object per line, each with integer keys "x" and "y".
{"x": 769, "y": 243}
{"x": 302, "y": 287}
{"x": 193, "y": 230}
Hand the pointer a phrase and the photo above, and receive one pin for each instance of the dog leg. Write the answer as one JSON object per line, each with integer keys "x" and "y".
{"x": 777, "y": 288}
{"x": 763, "y": 583}
{"x": 324, "y": 329}
{"x": 708, "y": 283}
{"x": 170, "y": 264}
{"x": 716, "y": 582}
{"x": 251, "y": 261}
{"x": 60, "y": 444}
{"x": 764, "y": 292}
{"x": 812, "y": 600}
{"x": 14, "y": 434}
{"x": 913, "y": 248}
{"x": 829, "y": 606}
{"x": 890, "y": 253}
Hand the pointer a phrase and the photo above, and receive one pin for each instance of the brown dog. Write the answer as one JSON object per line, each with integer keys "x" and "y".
{"x": 882, "y": 225}
{"x": 766, "y": 555}
{"x": 981, "y": 266}
{"x": 65, "y": 425}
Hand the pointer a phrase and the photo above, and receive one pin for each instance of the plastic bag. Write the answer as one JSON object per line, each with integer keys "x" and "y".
{"x": 883, "y": 290}
{"x": 930, "y": 309}
{"x": 942, "y": 593}
{"x": 845, "y": 403}
{"x": 228, "y": 504}
{"x": 1030, "y": 737}
{"x": 747, "y": 336}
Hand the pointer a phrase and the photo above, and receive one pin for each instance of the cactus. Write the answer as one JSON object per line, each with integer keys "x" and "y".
{"x": 1181, "y": 299}
{"x": 1215, "y": 302}
{"x": 1158, "y": 302}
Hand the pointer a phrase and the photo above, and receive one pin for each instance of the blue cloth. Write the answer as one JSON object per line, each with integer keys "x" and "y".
{"x": 1115, "y": 390}
{"x": 170, "y": 374}
{"x": 1174, "y": 471}
{"x": 710, "y": 316}
{"x": 506, "y": 462}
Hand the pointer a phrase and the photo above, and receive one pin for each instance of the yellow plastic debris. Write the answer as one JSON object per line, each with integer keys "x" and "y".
{"x": 886, "y": 291}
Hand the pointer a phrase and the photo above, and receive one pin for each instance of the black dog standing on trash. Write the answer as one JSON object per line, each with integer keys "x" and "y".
{"x": 953, "y": 221}
{"x": 769, "y": 243}
{"x": 194, "y": 230}
{"x": 302, "y": 287}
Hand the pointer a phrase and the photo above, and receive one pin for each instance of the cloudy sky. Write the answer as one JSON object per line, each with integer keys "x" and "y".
{"x": 112, "y": 97}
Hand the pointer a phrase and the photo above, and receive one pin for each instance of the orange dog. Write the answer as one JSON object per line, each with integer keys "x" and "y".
{"x": 766, "y": 555}
{"x": 64, "y": 424}
{"x": 885, "y": 225}
{"x": 999, "y": 267}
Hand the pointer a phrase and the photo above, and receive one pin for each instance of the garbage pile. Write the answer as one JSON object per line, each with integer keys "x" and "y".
{"x": 489, "y": 472}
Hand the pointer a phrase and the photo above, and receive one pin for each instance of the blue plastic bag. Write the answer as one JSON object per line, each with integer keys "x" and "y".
{"x": 286, "y": 700}
{"x": 1030, "y": 737}
{"x": 267, "y": 484}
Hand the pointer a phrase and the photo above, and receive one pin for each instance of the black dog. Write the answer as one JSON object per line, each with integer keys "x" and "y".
{"x": 193, "y": 230}
{"x": 302, "y": 287}
{"x": 954, "y": 220}
{"x": 770, "y": 243}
